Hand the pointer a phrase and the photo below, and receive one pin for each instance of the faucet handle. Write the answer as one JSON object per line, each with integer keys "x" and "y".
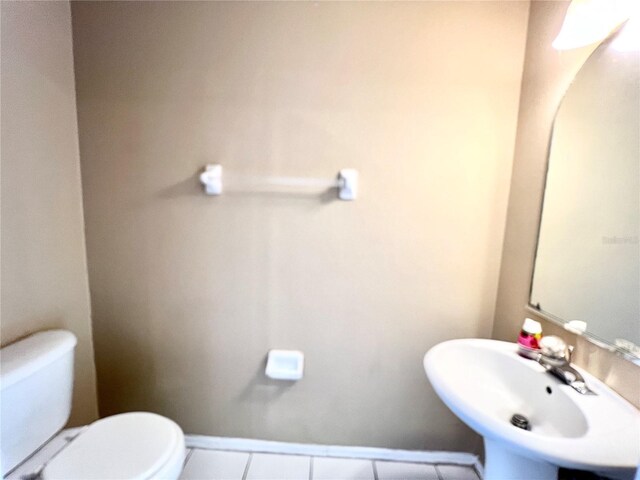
{"x": 553, "y": 348}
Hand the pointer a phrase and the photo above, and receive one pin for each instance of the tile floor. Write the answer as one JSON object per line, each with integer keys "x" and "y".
{"x": 205, "y": 464}
{"x": 221, "y": 465}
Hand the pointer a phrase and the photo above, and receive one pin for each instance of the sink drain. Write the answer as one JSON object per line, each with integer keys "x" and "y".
{"x": 520, "y": 421}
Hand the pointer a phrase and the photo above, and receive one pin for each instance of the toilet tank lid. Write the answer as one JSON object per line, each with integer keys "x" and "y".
{"x": 25, "y": 357}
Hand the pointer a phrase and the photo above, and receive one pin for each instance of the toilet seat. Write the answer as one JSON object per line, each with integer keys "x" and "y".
{"x": 132, "y": 446}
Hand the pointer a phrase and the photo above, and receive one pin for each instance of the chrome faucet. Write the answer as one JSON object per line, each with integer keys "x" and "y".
{"x": 555, "y": 357}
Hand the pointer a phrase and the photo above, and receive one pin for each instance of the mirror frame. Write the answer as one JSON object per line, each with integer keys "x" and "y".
{"x": 534, "y": 309}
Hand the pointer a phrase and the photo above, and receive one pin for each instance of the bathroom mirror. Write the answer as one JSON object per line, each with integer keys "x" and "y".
{"x": 587, "y": 266}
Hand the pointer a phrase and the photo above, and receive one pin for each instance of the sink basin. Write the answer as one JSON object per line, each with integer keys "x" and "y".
{"x": 486, "y": 382}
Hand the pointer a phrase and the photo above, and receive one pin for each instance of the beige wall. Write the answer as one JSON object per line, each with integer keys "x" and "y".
{"x": 189, "y": 292}
{"x": 547, "y": 74}
{"x": 44, "y": 273}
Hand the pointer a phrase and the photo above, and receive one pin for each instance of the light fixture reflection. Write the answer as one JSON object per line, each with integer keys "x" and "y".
{"x": 591, "y": 21}
{"x": 628, "y": 40}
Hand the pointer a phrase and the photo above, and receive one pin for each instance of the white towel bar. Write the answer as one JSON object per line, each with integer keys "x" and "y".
{"x": 346, "y": 181}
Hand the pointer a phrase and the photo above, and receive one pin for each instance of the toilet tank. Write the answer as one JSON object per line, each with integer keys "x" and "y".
{"x": 36, "y": 382}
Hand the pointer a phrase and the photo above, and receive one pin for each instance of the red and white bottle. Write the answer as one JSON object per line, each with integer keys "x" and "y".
{"x": 529, "y": 338}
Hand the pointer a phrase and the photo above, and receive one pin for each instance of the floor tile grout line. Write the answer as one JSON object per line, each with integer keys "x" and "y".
{"x": 475, "y": 469}
{"x": 246, "y": 468}
{"x": 187, "y": 457}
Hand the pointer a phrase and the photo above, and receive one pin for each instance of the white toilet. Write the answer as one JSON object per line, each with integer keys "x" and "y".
{"x": 36, "y": 382}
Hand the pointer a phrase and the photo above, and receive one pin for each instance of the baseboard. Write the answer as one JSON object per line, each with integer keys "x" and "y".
{"x": 313, "y": 450}
{"x": 267, "y": 446}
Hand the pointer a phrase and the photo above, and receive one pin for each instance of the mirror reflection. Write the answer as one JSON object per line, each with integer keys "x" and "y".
{"x": 587, "y": 265}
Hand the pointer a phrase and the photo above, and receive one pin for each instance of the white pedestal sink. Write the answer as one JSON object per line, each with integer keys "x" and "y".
{"x": 485, "y": 382}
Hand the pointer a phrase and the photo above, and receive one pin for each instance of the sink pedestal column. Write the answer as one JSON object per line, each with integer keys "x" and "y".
{"x": 502, "y": 463}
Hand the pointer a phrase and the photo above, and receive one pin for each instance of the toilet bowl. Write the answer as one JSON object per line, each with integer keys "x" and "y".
{"x": 134, "y": 446}
{"x": 36, "y": 380}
